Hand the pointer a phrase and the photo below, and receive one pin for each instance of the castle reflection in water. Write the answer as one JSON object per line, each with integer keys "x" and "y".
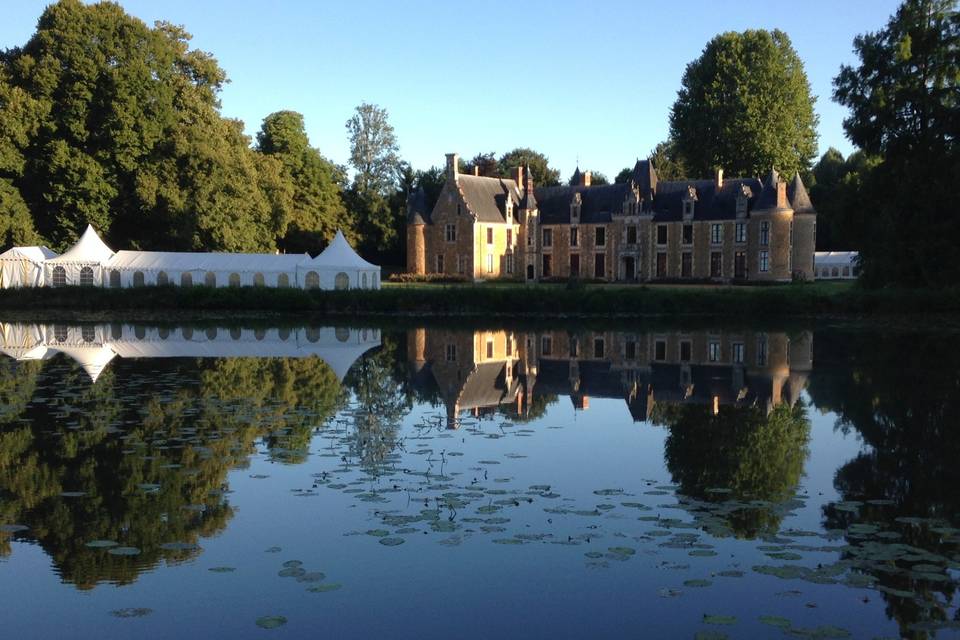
{"x": 483, "y": 372}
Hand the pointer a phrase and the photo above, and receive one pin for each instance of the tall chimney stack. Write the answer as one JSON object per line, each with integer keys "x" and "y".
{"x": 585, "y": 178}
{"x": 453, "y": 167}
{"x": 518, "y": 177}
{"x": 719, "y": 177}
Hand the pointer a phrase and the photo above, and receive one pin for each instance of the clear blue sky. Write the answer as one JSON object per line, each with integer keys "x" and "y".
{"x": 588, "y": 80}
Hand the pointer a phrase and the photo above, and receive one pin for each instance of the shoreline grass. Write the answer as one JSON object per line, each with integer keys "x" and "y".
{"x": 502, "y": 300}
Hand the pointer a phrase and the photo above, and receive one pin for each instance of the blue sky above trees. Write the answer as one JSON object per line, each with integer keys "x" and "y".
{"x": 589, "y": 81}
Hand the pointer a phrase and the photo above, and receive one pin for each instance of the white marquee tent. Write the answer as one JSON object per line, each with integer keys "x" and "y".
{"x": 836, "y": 265}
{"x": 23, "y": 266}
{"x": 339, "y": 267}
{"x": 139, "y": 268}
{"x": 81, "y": 264}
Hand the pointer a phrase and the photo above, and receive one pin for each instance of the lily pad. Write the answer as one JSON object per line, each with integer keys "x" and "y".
{"x": 715, "y": 619}
{"x": 697, "y": 582}
{"x": 391, "y": 542}
{"x": 271, "y": 622}
{"x": 131, "y": 612}
{"x": 102, "y": 544}
{"x": 325, "y": 587}
{"x": 222, "y": 569}
{"x": 124, "y": 551}
{"x": 776, "y": 621}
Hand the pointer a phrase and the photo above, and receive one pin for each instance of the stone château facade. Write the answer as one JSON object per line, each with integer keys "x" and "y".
{"x": 720, "y": 230}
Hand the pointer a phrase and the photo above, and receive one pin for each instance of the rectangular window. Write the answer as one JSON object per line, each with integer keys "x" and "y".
{"x": 762, "y": 351}
{"x": 764, "y": 233}
{"x": 530, "y": 237}
{"x": 546, "y": 346}
{"x": 489, "y": 349}
{"x": 439, "y": 263}
{"x": 598, "y": 347}
{"x": 451, "y": 353}
{"x": 489, "y": 235}
{"x": 509, "y": 347}
{"x": 741, "y": 232}
{"x": 575, "y": 265}
{"x": 632, "y": 234}
{"x": 509, "y": 237}
{"x": 451, "y": 232}
{"x": 738, "y": 352}
{"x": 686, "y": 350}
{"x": 574, "y": 348}
{"x": 510, "y": 263}
{"x": 661, "y": 234}
{"x": 548, "y": 237}
{"x": 547, "y": 266}
{"x": 490, "y": 263}
{"x": 462, "y": 264}
{"x": 661, "y": 265}
{"x": 574, "y": 237}
{"x": 716, "y": 264}
{"x": 687, "y": 234}
{"x": 686, "y": 265}
{"x": 630, "y": 350}
{"x": 764, "y": 261}
{"x": 716, "y": 233}
{"x": 713, "y": 352}
{"x": 600, "y": 265}
{"x": 660, "y": 350}
{"x": 601, "y": 237}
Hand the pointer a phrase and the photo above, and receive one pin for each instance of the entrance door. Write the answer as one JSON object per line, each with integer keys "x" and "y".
{"x": 740, "y": 265}
{"x": 629, "y": 268}
{"x": 529, "y": 272}
{"x": 661, "y": 265}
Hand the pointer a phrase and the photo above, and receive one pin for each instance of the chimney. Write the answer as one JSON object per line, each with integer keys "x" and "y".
{"x": 476, "y": 170}
{"x": 453, "y": 166}
{"x": 518, "y": 177}
{"x": 782, "y": 202}
{"x": 719, "y": 178}
{"x": 529, "y": 184}
{"x": 585, "y": 179}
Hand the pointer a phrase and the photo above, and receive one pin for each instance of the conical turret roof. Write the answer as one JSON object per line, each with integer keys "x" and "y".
{"x": 797, "y": 194}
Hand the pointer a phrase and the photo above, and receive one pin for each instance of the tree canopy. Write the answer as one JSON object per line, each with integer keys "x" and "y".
{"x": 541, "y": 171}
{"x": 904, "y": 104}
{"x": 745, "y": 105}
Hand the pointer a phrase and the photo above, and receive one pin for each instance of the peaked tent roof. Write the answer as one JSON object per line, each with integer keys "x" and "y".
{"x": 89, "y": 248}
{"x": 340, "y": 254}
{"x": 33, "y": 254}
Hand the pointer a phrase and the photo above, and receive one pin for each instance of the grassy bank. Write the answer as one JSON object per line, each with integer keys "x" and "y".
{"x": 499, "y": 300}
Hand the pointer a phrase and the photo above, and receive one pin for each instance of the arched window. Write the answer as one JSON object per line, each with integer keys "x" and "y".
{"x": 312, "y": 280}
{"x": 187, "y": 333}
{"x": 364, "y": 285}
{"x": 86, "y": 277}
{"x": 283, "y": 280}
{"x": 283, "y": 333}
{"x": 116, "y": 331}
{"x": 138, "y": 278}
{"x": 164, "y": 333}
{"x": 235, "y": 333}
{"x": 846, "y": 272}
{"x": 210, "y": 279}
{"x": 140, "y": 332}
{"x": 59, "y": 277}
{"x": 836, "y": 272}
{"x": 186, "y": 279}
{"x": 342, "y": 281}
{"x": 258, "y": 280}
{"x": 313, "y": 334}
{"x": 88, "y": 333}
{"x": 162, "y": 279}
{"x": 342, "y": 334}
{"x": 259, "y": 334}
{"x": 60, "y": 332}
{"x": 211, "y": 333}
{"x": 234, "y": 280}
{"x": 114, "y": 279}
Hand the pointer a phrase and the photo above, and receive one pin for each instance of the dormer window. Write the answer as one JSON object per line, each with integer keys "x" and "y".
{"x": 575, "y": 205}
{"x": 743, "y": 197}
{"x": 509, "y": 209}
{"x": 689, "y": 201}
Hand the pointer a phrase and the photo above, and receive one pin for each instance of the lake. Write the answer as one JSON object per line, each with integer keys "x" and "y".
{"x": 205, "y": 480}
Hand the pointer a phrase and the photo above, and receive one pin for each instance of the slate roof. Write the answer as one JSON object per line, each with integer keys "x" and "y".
{"x": 486, "y": 386}
{"x": 486, "y": 198}
{"x": 768, "y": 196}
{"x": 597, "y": 203}
{"x": 529, "y": 199}
{"x": 417, "y": 212}
{"x": 797, "y": 194}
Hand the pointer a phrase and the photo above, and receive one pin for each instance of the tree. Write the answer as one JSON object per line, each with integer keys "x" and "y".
{"x": 668, "y": 162}
{"x": 905, "y": 106}
{"x": 316, "y": 208}
{"x": 543, "y": 174}
{"x": 485, "y": 164}
{"x": 838, "y": 193}
{"x": 373, "y": 196}
{"x": 105, "y": 120}
{"x": 745, "y": 105}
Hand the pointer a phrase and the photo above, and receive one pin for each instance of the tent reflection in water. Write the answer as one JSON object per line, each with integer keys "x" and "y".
{"x": 23, "y": 266}
{"x": 93, "y": 347}
{"x": 90, "y": 262}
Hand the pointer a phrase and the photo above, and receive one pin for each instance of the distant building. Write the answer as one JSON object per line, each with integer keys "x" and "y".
{"x": 717, "y": 230}
{"x": 836, "y": 265}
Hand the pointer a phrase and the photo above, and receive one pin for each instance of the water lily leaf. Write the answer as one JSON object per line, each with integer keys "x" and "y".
{"x": 391, "y": 542}
{"x": 697, "y": 582}
{"x": 716, "y": 619}
{"x": 314, "y": 576}
{"x": 131, "y": 612}
{"x": 325, "y": 587}
{"x": 291, "y": 572}
{"x": 776, "y": 621}
{"x": 271, "y": 622}
{"x": 222, "y": 569}
{"x": 102, "y": 544}
{"x": 124, "y": 551}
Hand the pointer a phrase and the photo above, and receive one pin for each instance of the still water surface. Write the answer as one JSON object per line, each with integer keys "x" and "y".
{"x": 190, "y": 481}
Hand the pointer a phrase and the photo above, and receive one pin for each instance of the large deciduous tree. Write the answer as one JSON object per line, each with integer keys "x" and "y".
{"x": 745, "y": 105}
{"x": 904, "y": 101}
{"x": 105, "y": 120}
{"x": 541, "y": 171}
{"x": 316, "y": 208}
